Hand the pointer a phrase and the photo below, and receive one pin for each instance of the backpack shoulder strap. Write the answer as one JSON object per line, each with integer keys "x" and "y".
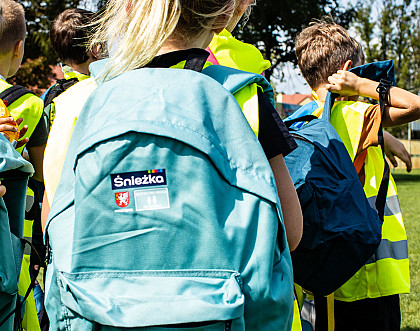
{"x": 233, "y": 79}
{"x": 14, "y": 93}
{"x": 58, "y": 88}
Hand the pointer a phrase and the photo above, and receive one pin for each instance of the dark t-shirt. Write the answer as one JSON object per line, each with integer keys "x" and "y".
{"x": 273, "y": 134}
{"x": 40, "y": 134}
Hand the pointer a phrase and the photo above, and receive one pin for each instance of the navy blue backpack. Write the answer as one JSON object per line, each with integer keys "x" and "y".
{"x": 341, "y": 231}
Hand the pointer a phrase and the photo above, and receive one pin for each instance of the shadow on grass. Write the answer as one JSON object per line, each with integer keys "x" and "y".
{"x": 406, "y": 178}
{"x": 410, "y": 329}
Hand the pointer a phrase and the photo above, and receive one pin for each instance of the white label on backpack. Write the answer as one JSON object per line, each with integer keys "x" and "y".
{"x": 151, "y": 199}
{"x": 137, "y": 179}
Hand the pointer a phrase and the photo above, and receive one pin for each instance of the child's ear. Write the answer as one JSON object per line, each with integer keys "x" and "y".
{"x": 96, "y": 51}
{"x": 19, "y": 48}
{"x": 347, "y": 65}
{"x": 243, "y": 5}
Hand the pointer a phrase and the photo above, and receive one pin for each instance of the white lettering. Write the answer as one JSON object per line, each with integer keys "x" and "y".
{"x": 159, "y": 179}
{"x": 118, "y": 181}
{"x": 138, "y": 181}
{"x": 152, "y": 180}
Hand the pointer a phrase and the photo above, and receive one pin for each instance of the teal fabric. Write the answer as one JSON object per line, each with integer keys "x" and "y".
{"x": 211, "y": 253}
{"x": 11, "y": 225}
{"x": 376, "y": 71}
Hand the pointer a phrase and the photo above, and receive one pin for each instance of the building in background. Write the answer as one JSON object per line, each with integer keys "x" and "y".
{"x": 287, "y": 104}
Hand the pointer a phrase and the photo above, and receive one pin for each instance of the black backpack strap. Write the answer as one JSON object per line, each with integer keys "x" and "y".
{"x": 383, "y": 89}
{"x": 60, "y": 86}
{"x": 13, "y": 93}
{"x": 196, "y": 62}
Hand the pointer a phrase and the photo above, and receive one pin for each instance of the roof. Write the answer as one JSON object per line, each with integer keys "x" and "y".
{"x": 296, "y": 99}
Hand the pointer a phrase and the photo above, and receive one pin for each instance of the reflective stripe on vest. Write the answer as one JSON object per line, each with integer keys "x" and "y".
{"x": 392, "y": 205}
{"x": 387, "y": 249}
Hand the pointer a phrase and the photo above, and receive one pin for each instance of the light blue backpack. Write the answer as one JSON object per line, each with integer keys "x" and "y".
{"x": 167, "y": 214}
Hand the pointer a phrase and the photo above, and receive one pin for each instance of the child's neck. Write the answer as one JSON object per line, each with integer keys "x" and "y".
{"x": 82, "y": 68}
{"x": 5, "y": 63}
{"x": 201, "y": 41}
{"x": 321, "y": 92}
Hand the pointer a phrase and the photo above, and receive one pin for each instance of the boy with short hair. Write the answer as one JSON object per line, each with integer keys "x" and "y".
{"x": 29, "y": 107}
{"x": 325, "y": 51}
{"x": 69, "y": 35}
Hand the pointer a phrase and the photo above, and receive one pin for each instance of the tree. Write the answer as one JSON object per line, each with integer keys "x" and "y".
{"x": 393, "y": 35}
{"x": 273, "y": 26}
{"x": 364, "y": 27}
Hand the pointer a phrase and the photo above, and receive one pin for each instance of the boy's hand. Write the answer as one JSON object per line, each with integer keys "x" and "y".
{"x": 22, "y": 132}
{"x": 8, "y": 124}
{"x": 2, "y": 190}
{"x": 344, "y": 82}
{"x": 394, "y": 148}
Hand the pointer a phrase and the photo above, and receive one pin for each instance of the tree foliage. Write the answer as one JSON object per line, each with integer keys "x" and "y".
{"x": 273, "y": 26}
{"x": 394, "y": 34}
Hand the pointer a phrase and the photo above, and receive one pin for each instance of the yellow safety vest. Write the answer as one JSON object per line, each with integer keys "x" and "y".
{"x": 233, "y": 53}
{"x": 69, "y": 73}
{"x": 387, "y": 272}
{"x": 29, "y": 107}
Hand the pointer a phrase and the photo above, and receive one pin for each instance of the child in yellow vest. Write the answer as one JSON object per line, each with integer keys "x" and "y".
{"x": 325, "y": 51}
{"x": 30, "y": 108}
{"x": 69, "y": 33}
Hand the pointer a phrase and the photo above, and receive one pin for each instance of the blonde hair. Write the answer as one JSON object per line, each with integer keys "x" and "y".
{"x": 136, "y": 30}
{"x": 12, "y": 25}
{"x": 322, "y": 49}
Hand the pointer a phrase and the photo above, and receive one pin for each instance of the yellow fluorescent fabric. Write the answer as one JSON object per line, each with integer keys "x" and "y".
{"x": 233, "y": 53}
{"x": 68, "y": 107}
{"x": 29, "y": 107}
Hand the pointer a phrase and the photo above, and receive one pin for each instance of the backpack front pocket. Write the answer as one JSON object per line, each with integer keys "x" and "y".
{"x": 153, "y": 297}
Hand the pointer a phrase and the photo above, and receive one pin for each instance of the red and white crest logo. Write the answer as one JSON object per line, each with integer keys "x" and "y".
{"x": 122, "y": 199}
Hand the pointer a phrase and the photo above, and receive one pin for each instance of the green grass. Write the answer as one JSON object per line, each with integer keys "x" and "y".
{"x": 408, "y": 186}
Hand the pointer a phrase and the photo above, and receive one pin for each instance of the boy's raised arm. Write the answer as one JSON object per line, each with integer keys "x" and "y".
{"x": 402, "y": 106}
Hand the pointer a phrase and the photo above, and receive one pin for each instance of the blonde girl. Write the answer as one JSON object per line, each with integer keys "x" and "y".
{"x": 138, "y": 31}
{"x": 174, "y": 34}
